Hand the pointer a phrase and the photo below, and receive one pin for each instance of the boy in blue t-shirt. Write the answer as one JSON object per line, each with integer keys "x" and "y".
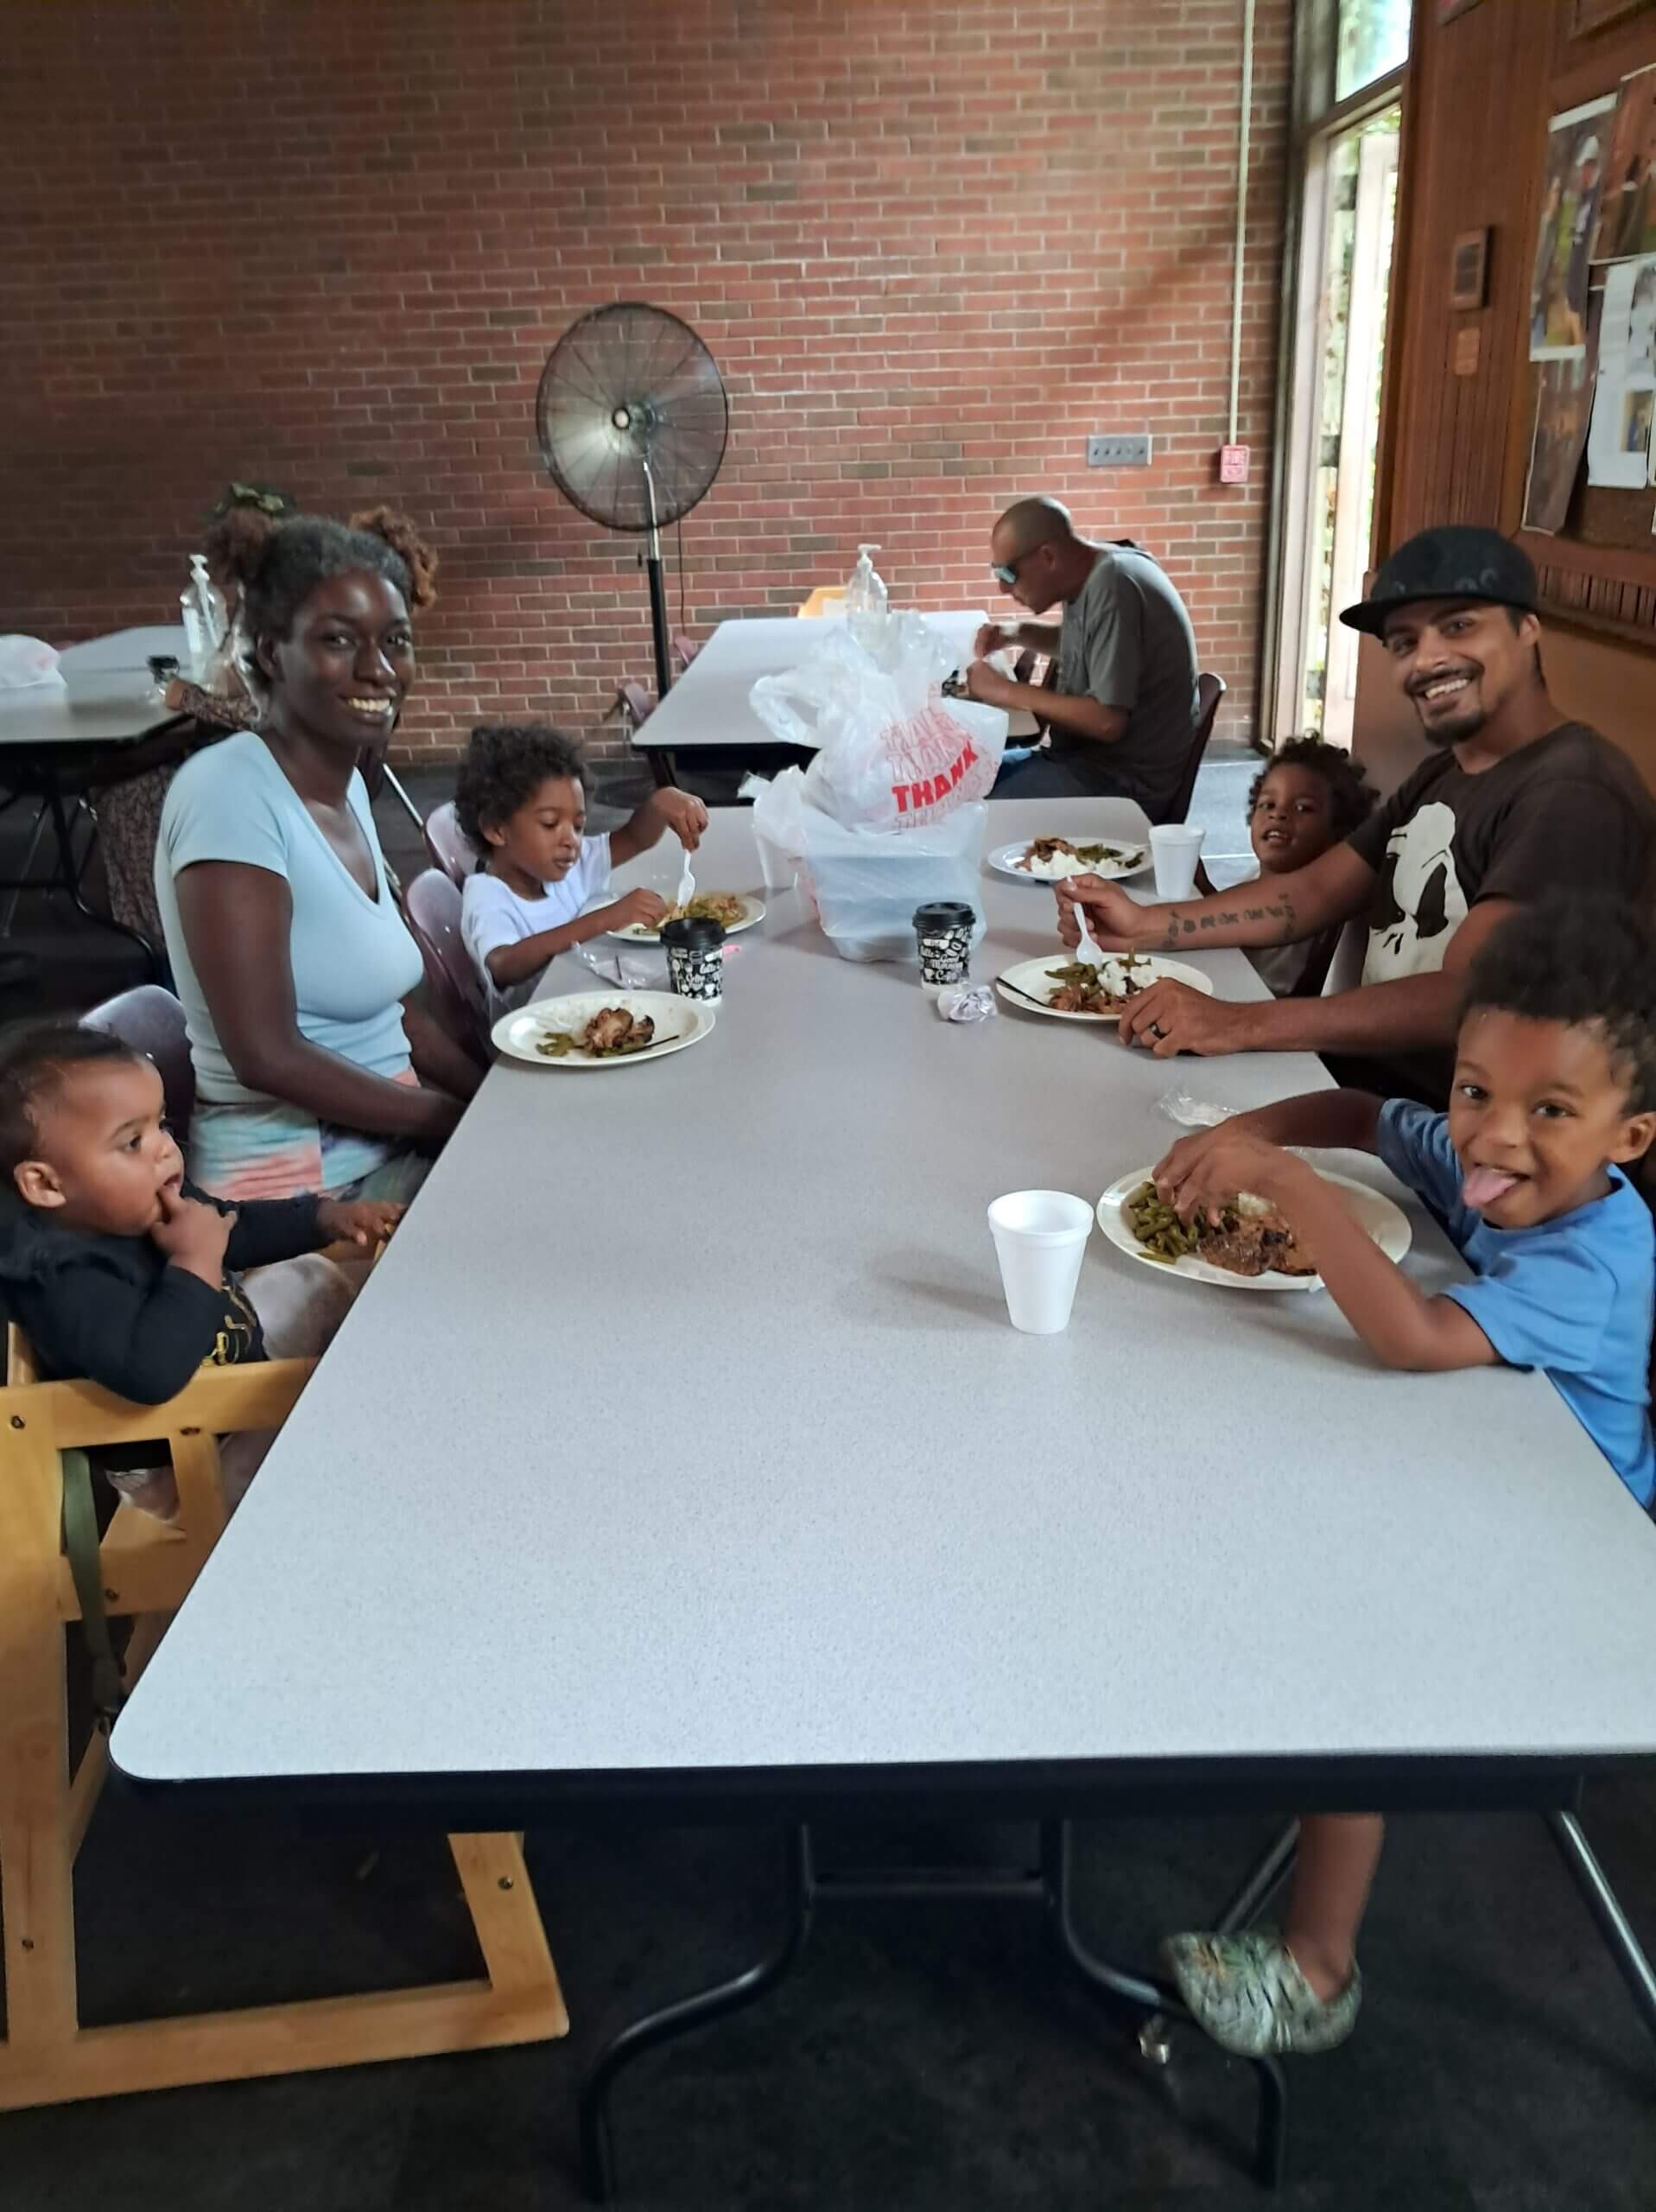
{"x": 1554, "y": 1093}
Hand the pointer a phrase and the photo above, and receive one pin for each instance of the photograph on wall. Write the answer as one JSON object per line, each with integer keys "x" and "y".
{"x": 1563, "y": 407}
{"x": 1627, "y": 202}
{"x": 1563, "y": 239}
{"x": 1618, "y": 441}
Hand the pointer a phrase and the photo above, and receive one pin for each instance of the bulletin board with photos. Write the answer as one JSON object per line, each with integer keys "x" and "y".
{"x": 1589, "y": 479}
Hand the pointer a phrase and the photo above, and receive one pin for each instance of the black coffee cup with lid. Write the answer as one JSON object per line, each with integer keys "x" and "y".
{"x": 944, "y": 928}
{"x": 696, "y": 958}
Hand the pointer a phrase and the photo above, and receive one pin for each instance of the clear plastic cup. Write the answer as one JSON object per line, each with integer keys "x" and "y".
{"x": 1176, "y": 847}
{"x": 1040, "y": 1242}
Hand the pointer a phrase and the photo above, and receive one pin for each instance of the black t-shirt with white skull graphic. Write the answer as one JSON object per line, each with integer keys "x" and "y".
{"x": 1569, "y": 812}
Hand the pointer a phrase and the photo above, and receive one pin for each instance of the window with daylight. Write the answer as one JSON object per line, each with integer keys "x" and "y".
{"x": 1351, "y": 57}
{"x": 1372, "y": 40}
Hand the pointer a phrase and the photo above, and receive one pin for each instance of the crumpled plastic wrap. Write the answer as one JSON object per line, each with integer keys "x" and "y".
{"x": 631, "y": 973}
{"x": 967, "y": 1002}
{"x": 1194, "y": 1113}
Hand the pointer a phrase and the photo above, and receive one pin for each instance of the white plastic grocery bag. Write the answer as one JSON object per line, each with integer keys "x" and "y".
{"x": 890, "y": 751}
{"x": 25, "y": 662}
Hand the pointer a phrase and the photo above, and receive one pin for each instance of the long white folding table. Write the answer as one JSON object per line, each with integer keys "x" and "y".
{"x": 708, "y": 710}
{"x": 704, "y": 1478}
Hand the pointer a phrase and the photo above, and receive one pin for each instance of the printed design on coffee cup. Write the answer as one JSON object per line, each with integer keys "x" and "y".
{"x": 944, "y": 931}
{"x": 695, "y": 957}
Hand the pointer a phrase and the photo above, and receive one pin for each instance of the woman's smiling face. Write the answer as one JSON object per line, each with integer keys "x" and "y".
{"x": 342, "y": 673}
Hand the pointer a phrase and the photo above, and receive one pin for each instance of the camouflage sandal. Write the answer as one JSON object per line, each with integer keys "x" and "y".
{"x": 1247, "y": 1991}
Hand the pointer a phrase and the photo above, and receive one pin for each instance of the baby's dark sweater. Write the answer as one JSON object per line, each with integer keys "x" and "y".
{"x": 114, "y": 1310}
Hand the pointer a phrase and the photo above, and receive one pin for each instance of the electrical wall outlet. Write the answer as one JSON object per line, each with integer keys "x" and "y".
{"x": 1131, "y": 451}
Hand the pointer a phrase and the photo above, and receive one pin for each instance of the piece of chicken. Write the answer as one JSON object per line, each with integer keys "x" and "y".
{"x": 609, "y": 1028}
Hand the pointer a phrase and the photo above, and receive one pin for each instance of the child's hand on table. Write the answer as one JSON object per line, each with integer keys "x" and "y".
{"x": 191, "y": 1234}
{"x": 357, "y": 1221}
{"x": 1209, "y": 1168}
{"x": 684, "y": 814}
{"x": 641, "y": 905}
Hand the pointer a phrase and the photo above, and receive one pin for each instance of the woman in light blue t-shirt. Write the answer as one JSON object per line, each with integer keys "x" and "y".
{"x": 313, "y": 1071}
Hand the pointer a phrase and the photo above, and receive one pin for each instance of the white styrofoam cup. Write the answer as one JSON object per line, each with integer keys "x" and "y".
{"x": 1176, "y": 847}
{"x": 1040, "y": 1242}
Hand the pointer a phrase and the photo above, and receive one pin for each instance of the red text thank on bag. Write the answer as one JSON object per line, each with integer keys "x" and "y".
{"x": 910, "y": 798}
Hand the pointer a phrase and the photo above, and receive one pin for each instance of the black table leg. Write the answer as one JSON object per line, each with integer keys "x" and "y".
{"x": 67, "y": 876}
{"x": 1262, "y": 1884}
{"x": 1146, "y": 2003}
{"x": 1128, "y": 1997}
{"x": 1606, "y": 1908}
{"x": 597, "y": 2153}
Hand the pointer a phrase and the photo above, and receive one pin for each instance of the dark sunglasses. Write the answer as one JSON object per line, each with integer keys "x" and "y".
{"x": 1005, "y": 574}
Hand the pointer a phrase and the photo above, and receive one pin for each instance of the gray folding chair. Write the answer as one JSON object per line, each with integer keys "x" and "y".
{"x": 1211, "y": 689}
{"x": 432, "y": 907}
{"x": 450, "y": 849}
{"x": 151, "y": 1021}
{"x": 1346, "y": 969}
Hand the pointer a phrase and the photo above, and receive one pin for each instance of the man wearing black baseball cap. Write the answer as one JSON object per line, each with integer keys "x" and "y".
{"x": 1513, "y": 801}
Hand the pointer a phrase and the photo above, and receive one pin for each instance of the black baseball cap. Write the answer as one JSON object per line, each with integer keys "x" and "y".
{"x": 1456, "y": 561}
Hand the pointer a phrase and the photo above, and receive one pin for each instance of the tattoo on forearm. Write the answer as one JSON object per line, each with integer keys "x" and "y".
{"x": 1280, "y": 911}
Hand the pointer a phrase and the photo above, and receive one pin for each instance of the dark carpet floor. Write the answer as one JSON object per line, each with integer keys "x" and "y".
{"x": 924, "y": 2056}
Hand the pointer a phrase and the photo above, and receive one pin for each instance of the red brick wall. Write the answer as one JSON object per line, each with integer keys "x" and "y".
{"x": 931, "y": 243}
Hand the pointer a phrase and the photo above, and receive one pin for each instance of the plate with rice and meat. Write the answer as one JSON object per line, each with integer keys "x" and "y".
{"x": 1050, "y": 860}
{"x": 1070, "y": 989}
{"x": 1250, "y": 1247}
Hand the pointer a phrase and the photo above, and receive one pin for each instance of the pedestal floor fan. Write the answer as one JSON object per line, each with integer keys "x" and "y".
{"x": 632, "y": 420}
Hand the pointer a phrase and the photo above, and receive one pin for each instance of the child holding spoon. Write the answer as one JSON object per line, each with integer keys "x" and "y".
{"x": 521, "y": 800}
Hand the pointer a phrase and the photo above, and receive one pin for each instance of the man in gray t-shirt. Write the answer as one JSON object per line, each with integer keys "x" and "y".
{"x": 1122, "y": 713}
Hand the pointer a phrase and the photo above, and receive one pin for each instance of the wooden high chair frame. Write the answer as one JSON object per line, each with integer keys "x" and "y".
{"x": 147, "y": 1568}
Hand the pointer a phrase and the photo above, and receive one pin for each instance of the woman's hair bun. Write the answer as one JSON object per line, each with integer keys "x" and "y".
{"x": 404, "y": 539}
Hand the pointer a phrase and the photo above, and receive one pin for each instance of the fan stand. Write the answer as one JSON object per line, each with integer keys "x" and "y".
{"x": 623, "y": 419}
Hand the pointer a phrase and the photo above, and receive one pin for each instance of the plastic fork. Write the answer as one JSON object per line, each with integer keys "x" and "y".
{"x": 686, "y": 890}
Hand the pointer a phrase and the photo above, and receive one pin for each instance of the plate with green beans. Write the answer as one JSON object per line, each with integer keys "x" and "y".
{"x": 1229, "y": 1252}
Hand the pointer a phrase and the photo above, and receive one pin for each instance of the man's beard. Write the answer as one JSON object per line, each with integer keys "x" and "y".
{"x": 1455, "y": 731}
{"x": 1445, "y": 737}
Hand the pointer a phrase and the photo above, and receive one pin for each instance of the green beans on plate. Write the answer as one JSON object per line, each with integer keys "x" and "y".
{"x": 1158, "y": 1228}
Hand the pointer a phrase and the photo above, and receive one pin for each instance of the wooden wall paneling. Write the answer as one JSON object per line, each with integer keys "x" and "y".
{"x": 1477, "y": 78}
{"x": 1414, "y": 160}
{"x": 1601, "y": 569}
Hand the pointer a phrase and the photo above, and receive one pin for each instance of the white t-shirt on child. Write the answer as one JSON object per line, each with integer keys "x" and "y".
{"x": 492, "y": 914}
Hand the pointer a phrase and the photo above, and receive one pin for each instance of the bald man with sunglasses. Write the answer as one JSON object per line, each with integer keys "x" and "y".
{"x": 1124, "y": 710}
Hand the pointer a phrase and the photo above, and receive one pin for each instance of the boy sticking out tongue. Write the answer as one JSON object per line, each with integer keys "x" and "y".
{"x": 1554, "y": 1094}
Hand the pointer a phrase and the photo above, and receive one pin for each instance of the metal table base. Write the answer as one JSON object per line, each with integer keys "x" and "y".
{"x": 1138, "y": 2003}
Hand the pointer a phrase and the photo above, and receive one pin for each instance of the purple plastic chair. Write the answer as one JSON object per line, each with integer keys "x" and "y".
{"x": 432, "y": 906}
{"x": 450, "y": 849}
{"x": 151, "y": 1021}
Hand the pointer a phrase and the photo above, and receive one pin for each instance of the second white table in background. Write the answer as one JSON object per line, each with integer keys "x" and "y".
{"x": 709, "y": 707}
